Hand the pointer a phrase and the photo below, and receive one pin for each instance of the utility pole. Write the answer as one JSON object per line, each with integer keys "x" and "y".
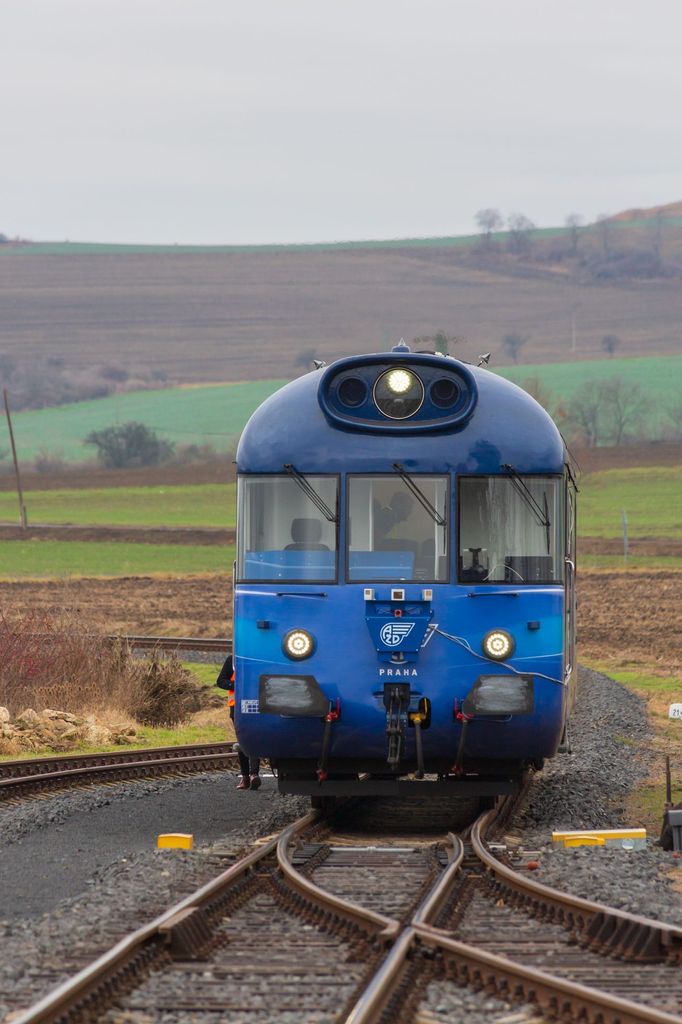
{"x": 22, "y": 507}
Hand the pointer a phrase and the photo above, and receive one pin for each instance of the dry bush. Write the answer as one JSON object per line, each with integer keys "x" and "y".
{"x": 58, "y": 661}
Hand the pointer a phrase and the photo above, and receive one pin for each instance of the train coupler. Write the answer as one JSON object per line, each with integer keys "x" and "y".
{"x": 333, "y": 715}
{"x": 397, "y": 703}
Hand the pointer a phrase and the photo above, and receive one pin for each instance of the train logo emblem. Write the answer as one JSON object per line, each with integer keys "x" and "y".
{"x": 393, "y": 633}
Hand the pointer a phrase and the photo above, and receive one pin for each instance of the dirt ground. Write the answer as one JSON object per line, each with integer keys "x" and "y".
{"x": 623, "y": 617}
{"x": 219, "y": 471}
{"x": 205, "y": 536}
{"x": 234, "y": 315}
{"x": 632, "y": 618}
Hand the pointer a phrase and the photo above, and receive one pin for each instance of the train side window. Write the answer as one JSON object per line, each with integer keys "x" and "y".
{"x": 510, "y": 530}
{"x": 392, "y": 534}
{"x": 282, "y": 534}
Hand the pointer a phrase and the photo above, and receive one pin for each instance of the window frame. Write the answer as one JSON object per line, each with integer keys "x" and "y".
{"x": 561, "y": 582}
{"x": 239, "y": 579}
{"x": 447, "y": 528}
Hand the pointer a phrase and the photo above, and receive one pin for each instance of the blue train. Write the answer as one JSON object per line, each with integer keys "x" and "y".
{"x": 404, "y": 592}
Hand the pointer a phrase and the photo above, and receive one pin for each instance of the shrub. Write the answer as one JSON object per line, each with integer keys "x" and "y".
{"x": 131, "y": 444}
{"x": 49, "y": 462}
{"x": 58, "y": 661}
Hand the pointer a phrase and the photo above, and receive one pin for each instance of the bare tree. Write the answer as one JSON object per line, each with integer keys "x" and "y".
{"x": 623, "y": 405}
{"x": 489, "y": 221}
{"x": 520, "y": 231}
{"x": 657, "y": 240}
{"x": 574, "y": 223}
{"x": 512, "y": 345}
{"x": 610, "y": 411}
{"x": 439, "y": 342}
{"x": 604, "y": 229}
{"x": 674, "y": 414}
{"x": 546, "y": 398}
{"x": 610, "y": 343}
{"x": 584, "y": 414}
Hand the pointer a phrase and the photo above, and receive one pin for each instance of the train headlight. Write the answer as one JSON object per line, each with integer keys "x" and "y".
{"x": 498, "y": 644}
{"x": 298, "y": 644}
{"x": 399, "y": 381}
{"x": 398, "y": 393}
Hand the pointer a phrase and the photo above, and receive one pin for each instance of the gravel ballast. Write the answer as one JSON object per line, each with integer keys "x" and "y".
{"x": 611, "y": 742}
{"x": 610, "y": 739}
{"x": 586, "y": 789}
{"x": 129, "y": 886}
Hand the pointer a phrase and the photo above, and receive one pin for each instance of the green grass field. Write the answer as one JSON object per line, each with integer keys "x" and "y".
{"x": 209, "y": 414}
{"x": 651, "y": 496}
{"x": 435, "y": 242}
{"x": 198, "y": 505}
{"x": 216, "y": 414}
{"x": 53, "y": 558}
{"x": 659, "y": 377}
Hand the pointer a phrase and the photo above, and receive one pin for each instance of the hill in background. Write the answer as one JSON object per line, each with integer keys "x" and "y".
{"x": 196, "y": 314}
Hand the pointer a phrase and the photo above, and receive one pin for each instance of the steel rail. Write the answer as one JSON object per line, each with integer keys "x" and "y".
{"x": 158, "y": 932}
{"x": 373, "y": 1000}
{"x": 386, "y": 927}
{"x": 173, "y": 643}
{"x": 508, "y": 977}
{"x": 605, "y": 928}
{"x": 17, "y": 785}
{"x": 66, "y": 762}
{"x": 535, "y": 986}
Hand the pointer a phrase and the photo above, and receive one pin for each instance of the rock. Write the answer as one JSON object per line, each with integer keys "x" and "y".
{"x": 121, "y": 736}
{"x": 7, "y": 731}
{"x": 94, "y": 733}
{"x": 4, "y": 716}
{"x": 58, "y": 716}
{"x": 28, "y": 719}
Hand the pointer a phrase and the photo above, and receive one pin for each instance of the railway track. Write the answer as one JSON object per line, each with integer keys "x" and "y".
{"x": 209, "y": 645}
{"x": 38, "y": 776}
{"x": 320, "y": 923}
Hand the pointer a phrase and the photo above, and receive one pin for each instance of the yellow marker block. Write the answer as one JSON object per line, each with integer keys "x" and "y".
{"x": 175, "y": 841}
{"x": 577, "y": 840}
{"x": 634, "y": 837}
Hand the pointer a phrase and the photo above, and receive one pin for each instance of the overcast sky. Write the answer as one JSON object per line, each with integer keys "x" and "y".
{"x": 212, "y": 121}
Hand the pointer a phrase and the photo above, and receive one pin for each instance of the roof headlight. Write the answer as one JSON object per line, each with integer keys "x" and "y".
{"x": 399, "y": 381}
{"x": 298, "y": 644}
{"x": 498, "y": 644}
{"x": 398, "y": 393}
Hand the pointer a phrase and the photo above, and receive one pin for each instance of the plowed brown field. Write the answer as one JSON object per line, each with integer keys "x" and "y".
{"x": 624, "y": 617}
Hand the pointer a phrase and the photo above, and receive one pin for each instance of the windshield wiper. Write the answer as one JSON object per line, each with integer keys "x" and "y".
{"x": 541, "y": 515}
{"x": 310, "y": 492}
{"x": 419, "y": 495}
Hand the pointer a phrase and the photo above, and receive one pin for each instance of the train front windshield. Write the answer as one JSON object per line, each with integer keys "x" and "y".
{"x": 283, "y": 533}
{"x": 510, "y": 529}
{"x": 397, "y": 529}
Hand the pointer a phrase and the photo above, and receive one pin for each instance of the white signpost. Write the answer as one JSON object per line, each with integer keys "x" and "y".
{"x": 675, "y": 711}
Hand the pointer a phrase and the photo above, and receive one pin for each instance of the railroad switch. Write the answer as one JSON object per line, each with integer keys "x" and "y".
{"x": 187, "y": 933}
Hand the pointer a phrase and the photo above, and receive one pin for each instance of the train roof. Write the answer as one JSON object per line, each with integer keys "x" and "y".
{"x": 493, "y": 424}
